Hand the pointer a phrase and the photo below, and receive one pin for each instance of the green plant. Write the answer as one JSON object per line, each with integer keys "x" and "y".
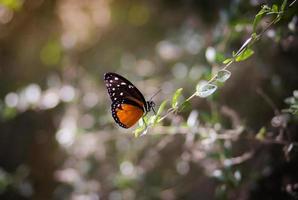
{"x": 207, "y": 88}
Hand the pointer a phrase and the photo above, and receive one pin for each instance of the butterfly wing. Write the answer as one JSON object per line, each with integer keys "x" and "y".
{"x": 121, "y": 88}
{"x": 127, "y": 101}
{"x": 126, "y": 112}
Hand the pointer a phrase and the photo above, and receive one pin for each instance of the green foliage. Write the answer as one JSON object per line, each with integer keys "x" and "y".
{"x": 186, "y": 136}
{"x": 160, "y": 110}
{"x": 261, "y": 135}
{"x": 228, "y": 60}
{"x": 223, "y": 75}
{"x": 205, "y": 90}
{"x": 185, "y": 105}
{"x": 293, "y": 103}
{"x": 274, "y": 8}
{"x": 12, "y": 4}
{"x": 282, "y": 9}
{"x": 265, "y": 9}
{"x": 176, "y": 96}
{"x": 244, "y": 55}
{"x": 142, "y": 128}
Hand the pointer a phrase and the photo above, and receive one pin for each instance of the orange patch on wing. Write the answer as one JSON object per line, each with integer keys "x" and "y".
{"x": 129, "y": 114}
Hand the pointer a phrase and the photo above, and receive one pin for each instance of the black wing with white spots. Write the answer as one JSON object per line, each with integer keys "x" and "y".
{"x": 120, "y": 88}
{"x": 116, "y": 105}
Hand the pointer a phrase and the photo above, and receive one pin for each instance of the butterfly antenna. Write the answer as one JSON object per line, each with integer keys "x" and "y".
{"x": 155, "y": 94}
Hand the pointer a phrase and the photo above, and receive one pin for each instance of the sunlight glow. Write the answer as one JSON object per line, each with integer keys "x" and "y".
{"x": 11, "y": 99}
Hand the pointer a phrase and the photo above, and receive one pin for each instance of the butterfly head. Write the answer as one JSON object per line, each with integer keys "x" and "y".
{"x": 150, "y": 105}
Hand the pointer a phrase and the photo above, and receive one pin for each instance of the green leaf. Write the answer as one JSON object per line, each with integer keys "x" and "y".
{"x": 219, "y": 57}
{"x": 162, "y": 107}
{"x": 274, "y": 8}
{"x": 205, "y": 90}
{"x": 176, "y": 98}
{"x": 283, "y": 6}
{"x": 139, "y": 131}
{"x": 259, "y": 16}
{"x": 244, "y": 55}
{"x": 254, "y": 36}
{"x": 261, "y": 134}
{"x": 223, "y": 75}
{"x": 226, "y": 61}
{"x": 160, "y": 110}
{"x": 184, "y": 105}
{"x": 243, "y": 47}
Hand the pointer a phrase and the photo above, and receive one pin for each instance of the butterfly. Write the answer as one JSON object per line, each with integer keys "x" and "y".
{"x": 128, "y": 103}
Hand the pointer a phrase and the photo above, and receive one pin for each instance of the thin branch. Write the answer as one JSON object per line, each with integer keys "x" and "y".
{"x": 292, "y": 3}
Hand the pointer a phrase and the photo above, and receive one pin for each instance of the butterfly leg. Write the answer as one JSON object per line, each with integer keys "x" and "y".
{"x": 153, "y": 111}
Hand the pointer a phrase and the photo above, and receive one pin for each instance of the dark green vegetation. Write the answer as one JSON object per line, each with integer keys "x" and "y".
{"x": 232, "y": 138}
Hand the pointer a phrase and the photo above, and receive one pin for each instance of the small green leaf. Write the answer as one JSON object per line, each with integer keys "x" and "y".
{"x": 243, "y": 47}
{"x": 205, "y": 90}
{"x": 160, "y": 110}
{"x": 261, "y": 135}
{"x": 274, "y": 8}
{"x": 223, "y": 75}
{"x": 184, "y": 105}
{"x": 176, "y": 97}
{"x": 244, "y": 55}
{"x": 162, "y": 107}
{"x": 283, "y": 6}
{"x": 152, "y": 119}
{"x": 219, "y": 57}
{"x": 139, "y": 131}
{"x": 254, "y": 36}
{"x": 259, "y": 16}
{"x": 281, "y": 12}
{"x": 226, "y": 61}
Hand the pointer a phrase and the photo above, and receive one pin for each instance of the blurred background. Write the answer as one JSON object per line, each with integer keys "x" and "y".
{"x": 58, "y": 139}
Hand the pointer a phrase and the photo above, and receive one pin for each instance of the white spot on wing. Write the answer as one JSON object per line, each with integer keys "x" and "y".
{"x": 130, "y": 86}
{"x": 116, "y": 78}
{"x": 122, "y": 83}
{"x": 121, "y": 93}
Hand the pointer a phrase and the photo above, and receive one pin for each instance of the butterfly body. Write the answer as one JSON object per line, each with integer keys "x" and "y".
{"x": 128, "y": 103}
